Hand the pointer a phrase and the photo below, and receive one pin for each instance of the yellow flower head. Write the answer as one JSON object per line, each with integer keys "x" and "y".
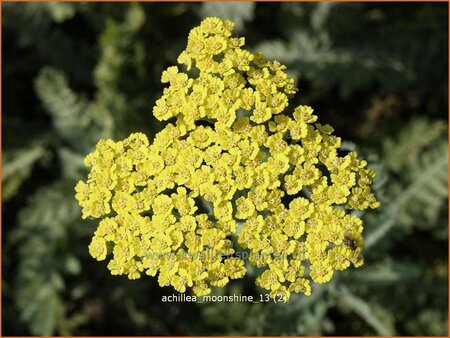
{"x": 233, "y": 164}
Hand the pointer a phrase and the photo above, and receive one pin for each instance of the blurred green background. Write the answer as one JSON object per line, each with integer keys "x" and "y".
{"x": 76, "y": 72}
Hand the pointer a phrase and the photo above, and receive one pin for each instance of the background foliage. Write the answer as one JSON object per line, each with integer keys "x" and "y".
{"x": 76, "y": 72}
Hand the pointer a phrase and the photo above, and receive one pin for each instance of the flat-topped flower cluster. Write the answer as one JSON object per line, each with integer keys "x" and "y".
{"x": 230, "y": 168}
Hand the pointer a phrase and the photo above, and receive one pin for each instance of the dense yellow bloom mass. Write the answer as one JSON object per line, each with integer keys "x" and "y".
{"x": 230, "y": 166}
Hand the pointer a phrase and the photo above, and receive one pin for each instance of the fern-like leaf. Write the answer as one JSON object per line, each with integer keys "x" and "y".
{"x": 428, "y": 190}
{"x": 42, "y": 238}
{"x": 418, "y": 201}
{"x": 76, "y": 121}
{"x": 238, "y": 12}
{"x": 417, "y": 135}
{"x": 377, "y": 320}
{"x": 16, "y": 168}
